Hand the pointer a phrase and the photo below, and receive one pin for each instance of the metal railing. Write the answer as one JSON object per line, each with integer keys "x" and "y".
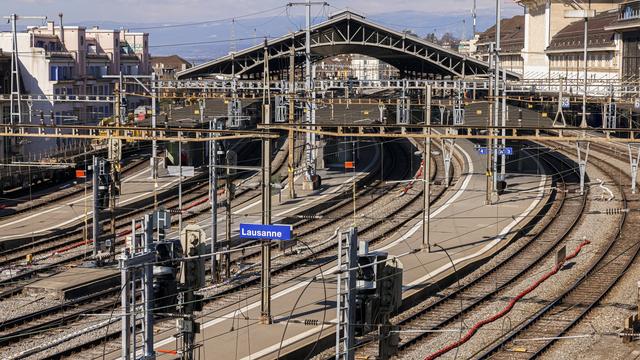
{"x": 629, "y": 11}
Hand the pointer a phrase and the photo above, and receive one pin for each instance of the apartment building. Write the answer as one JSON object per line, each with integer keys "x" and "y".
{"x": 166, "y": 67}
{"x": 73, "y": 60}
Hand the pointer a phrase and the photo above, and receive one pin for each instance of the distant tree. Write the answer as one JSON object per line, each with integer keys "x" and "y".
{"x": 431, "y": 37}
{"x": 409, "y": 32}
{"x": 449, "y": 40}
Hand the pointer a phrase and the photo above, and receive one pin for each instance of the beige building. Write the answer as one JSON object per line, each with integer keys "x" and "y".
{"x": 565, "y": 53}
{"x": 546, "y": 43}
{"x": 627, "y": 26}
{"x": 166, "y": 67}
{"x": 544, "y": 19}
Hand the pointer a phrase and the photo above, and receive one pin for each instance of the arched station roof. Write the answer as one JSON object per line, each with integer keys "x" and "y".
{"x": 347, "y": 33}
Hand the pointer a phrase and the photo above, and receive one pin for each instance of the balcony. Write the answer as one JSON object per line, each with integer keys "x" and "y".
{"x": 58, "y": 55}
{"x": 629, "y": 11}
{"x": 98, "y": 56}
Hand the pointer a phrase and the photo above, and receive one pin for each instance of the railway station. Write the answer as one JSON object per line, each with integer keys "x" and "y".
{"x": 355, "y": 187}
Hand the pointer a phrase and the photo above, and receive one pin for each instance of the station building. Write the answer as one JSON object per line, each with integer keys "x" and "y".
{"x": 547, "y": 43}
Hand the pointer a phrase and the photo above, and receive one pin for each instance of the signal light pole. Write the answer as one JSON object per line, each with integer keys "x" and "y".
{"x": 426, "y": 174}
{"x": 265, "y": 278}
{"x": 96, "y": 206}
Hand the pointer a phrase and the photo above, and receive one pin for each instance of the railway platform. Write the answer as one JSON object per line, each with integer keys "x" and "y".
{"x": 461, "y": 225}
{"x": 81, "y": 281}
{"x": 74, "y": 283}
{"x": 48, "y": 220}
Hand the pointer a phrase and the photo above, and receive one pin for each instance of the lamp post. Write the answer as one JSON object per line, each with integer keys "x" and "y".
{"x": 583, "y": 14}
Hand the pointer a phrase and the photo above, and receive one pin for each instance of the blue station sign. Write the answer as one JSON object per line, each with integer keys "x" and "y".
{"x": 501, "y": 150}
{"x": 265, "y": 232}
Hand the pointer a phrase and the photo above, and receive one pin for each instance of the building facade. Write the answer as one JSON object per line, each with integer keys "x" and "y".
{"x": 511, "y": 43}
{"x": 5, "y": 89}
{"x": 627, "y": 26}
{"x": 546, "y": 42}
{"x": 565, "y": 53}
{"x": 166, "y": 67}
{"x": 73, "y": 60}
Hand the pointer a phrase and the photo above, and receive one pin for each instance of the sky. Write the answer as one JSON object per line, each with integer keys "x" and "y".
{"x": 211, "y": 32}
{"x": 174, "y": 11}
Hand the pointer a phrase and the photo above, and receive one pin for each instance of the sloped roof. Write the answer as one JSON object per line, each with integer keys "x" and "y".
{"x": 511, "y": 34}
{"x": 571, "y": 37}
{"x": 172, "y": 61}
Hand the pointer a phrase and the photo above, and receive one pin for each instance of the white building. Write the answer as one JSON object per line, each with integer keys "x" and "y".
{"x": 72, "y": 61}
{"x": 367, "y": 68}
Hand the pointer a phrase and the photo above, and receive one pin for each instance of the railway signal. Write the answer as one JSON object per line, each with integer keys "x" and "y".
{"x": 101, "y": 169}
{"x": 191, "y": 278}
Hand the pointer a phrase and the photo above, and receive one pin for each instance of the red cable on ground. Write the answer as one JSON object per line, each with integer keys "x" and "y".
{"x": 71, "y": 246}
{"x": 507, "y": 308}
{"x": 418, "y": 175}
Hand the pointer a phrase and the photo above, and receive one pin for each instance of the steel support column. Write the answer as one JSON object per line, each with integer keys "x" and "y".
{"x": 346, "y": 294}
{"x": 265, "y": 276}
{"x": 582, "y": 148}
{"x": 634, "y": 159}
{"x": 292, "y": 138}
{"x": 426, "y": 174}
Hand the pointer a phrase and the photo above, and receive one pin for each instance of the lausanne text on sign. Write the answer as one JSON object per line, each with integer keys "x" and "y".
{"x": 501, "y": 150}
{"x": 267, "y": 232}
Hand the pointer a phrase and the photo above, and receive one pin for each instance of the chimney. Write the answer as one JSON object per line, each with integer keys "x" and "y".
{"x": 51, "y": 27}
{"x": 61, "y": 30}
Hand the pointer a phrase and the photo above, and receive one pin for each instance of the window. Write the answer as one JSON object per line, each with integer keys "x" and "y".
{"x": 97, "y": 71}
{"x": 60, "y": 72}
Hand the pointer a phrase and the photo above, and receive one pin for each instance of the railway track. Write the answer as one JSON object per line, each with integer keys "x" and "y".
{"x": 24, "y": 204}
{"x": 49, "y": 244}
{"x": 286, "y": 269}
{"x": 12, "y": 260}
{"x": 563, "y": 213}
{"x": 23, "y": 326}
{"x": 566, "y": 310}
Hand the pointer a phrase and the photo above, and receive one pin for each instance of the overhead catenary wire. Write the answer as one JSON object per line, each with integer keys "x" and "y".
{"x": 206, "y": 22}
